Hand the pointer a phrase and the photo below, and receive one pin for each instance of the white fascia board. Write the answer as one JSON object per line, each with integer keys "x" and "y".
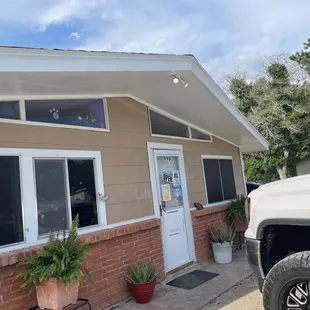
{"x": 36, "y": 60}
{"x": 219, "y": 94}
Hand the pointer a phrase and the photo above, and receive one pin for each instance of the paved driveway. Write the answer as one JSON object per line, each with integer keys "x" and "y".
{"x": 244, "y": 295}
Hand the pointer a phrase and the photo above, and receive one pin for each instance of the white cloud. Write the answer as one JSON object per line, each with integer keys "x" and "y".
{"x": 75, "y": 35}
{"x": 223, "y": 35}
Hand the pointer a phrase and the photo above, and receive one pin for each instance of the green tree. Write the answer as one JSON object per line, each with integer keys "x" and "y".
{"x": 303, "y": 57}
{"x": 276, "y": 103}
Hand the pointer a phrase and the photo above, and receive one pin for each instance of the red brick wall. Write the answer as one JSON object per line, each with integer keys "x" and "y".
{"x": 113, "y": 251}
{"x": 202, "y": 220}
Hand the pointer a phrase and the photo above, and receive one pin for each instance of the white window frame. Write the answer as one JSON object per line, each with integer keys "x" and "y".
{"x": 189, "y": 126}
{"x": 209, "y": 205}
{"x": 28, "y": 191}
{"x": 23, "y": 118}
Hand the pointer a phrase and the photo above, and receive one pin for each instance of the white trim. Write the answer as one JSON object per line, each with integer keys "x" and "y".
{"x": 243, "y": 174}
{"x": 179, "y": 138}
{"x": 106, "y": 112}
{"x": 212, "y": 205}
{"x": 82, "y": 231}
{"x": 151, "y": 147}
{"x": 61, "y": 97}
{"x": 178, "y": 120}
{"x": 219, "y": 94}
{"x": 22, "y": 110}
{"x": 30, "y": 123}
{"x": 216, "y": 157}
{"x": 27, "y": 159}
{"x": 23, "y": 117}
{"x": 39, "y": 60}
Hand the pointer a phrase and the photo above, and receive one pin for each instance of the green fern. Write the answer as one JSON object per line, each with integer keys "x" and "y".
{"x": 236, "y": 209}
{"x": 60, "y": 259}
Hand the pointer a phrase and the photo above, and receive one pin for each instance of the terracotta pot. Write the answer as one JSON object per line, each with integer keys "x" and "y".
{"x": 142, "y": 293}
{"x": 240, "y": 225}
{"x": 52, "y": 294}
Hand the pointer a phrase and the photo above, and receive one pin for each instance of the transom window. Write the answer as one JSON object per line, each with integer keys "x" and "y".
{"x": 44, "y": 190}
{"x": 165, "y": 126}
{"x": 89, "y": 113}
{"x": 219, "y": 178}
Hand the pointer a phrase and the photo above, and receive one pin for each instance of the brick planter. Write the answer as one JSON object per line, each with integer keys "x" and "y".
{"x": 113, "y": 251}
{"x": 203, "y": 220}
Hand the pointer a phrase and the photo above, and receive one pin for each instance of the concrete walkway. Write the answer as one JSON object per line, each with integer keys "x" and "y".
{"x": 168, "y": 297}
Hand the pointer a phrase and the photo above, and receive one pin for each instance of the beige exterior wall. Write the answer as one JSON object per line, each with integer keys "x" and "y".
{"x": 124, "y": 156}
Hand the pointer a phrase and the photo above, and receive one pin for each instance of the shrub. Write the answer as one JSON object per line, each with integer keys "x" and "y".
{"x": 236, "y": 209}
{"x": 59, "y": 258}
{"x": 141, "y": 273}
{"x": 222, "y": 234}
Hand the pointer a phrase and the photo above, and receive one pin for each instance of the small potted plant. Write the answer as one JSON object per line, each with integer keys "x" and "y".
{"x": 221, "y": 240}
{"x": 236, "y": 214}
{"x": 55, "y": 270}
{"x": 141, "y": 279}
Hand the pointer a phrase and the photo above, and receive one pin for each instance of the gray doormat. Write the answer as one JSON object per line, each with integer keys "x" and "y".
{"x": 192, "y": 279}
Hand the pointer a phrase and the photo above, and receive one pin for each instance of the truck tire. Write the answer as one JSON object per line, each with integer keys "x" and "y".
{"x": 287, "y": 285}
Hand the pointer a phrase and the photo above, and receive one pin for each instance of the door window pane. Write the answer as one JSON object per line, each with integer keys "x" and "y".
{"x": 228, "y": 179}
{"x": 213, "y": 180}
{"x": 83, "y": 191}
{"x": 76, "y": 112}
{"x": 200, "y": 135}
{"x": 162, "y": 125}
{"x": 11, "y": 223}
{"x": 169, "y": 181}
{"x": 51, "y": 195}
{"x": 9, "y": 109}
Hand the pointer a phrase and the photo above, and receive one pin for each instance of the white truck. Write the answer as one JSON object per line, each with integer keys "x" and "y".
{"x": 278, "y": 242}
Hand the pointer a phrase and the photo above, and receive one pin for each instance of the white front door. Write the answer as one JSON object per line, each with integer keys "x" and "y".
{"x": 173, "y": 204}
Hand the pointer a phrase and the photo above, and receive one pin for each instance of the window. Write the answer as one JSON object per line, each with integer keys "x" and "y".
{"x": 74, "y": 112}
{"x": 11, "y": 218}
{"x": 198, "y": 135}
{"x": 162, "y": 125}
{"x": 53, "y": 204}
{"x": 165, "y": 126}
{"x": 219, "y": 178}
{"x": 42, "y": 191}
{"x": 83, "y": 191}
{"x": 9, "y": 109}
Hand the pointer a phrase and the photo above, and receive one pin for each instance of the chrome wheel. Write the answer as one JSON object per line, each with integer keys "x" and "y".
{"x": 298, "y": 297}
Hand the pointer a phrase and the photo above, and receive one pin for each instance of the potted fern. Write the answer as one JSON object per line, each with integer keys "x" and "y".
{"x": 236, "y": 213}
{"x": 141, "y": 279}
{"x": 55, "y": 270}
{"x": 221, "y": 241}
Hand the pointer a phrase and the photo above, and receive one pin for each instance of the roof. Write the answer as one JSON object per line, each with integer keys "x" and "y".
{"x": 35, "y": 72}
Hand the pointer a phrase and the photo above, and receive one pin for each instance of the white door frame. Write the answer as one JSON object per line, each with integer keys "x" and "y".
{"x": 151, "y": 146}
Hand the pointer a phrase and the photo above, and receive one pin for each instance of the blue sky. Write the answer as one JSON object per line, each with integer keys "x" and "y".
{"x": 225, "y": 35}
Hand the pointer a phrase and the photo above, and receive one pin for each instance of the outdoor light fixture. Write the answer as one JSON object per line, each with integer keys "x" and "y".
{"x": 177, "y": 79}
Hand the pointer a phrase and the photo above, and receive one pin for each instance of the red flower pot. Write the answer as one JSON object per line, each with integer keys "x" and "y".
{"x": 240, "y": 226}
{"x": 142, "y": 293}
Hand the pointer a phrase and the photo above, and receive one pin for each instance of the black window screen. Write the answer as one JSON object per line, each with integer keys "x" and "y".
{"x": 11, "y": 219}
{"x": 200, "y": 135}
{"x": 9, "y": 109}
{"x": 162, "y": 125}
{"x": 219, "y": 179}
{"x": 213, "y": 180}
{"x": 228, "y": 180}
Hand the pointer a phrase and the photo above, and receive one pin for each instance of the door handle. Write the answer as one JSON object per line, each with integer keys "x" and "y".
{"x": 162, "y": 208}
